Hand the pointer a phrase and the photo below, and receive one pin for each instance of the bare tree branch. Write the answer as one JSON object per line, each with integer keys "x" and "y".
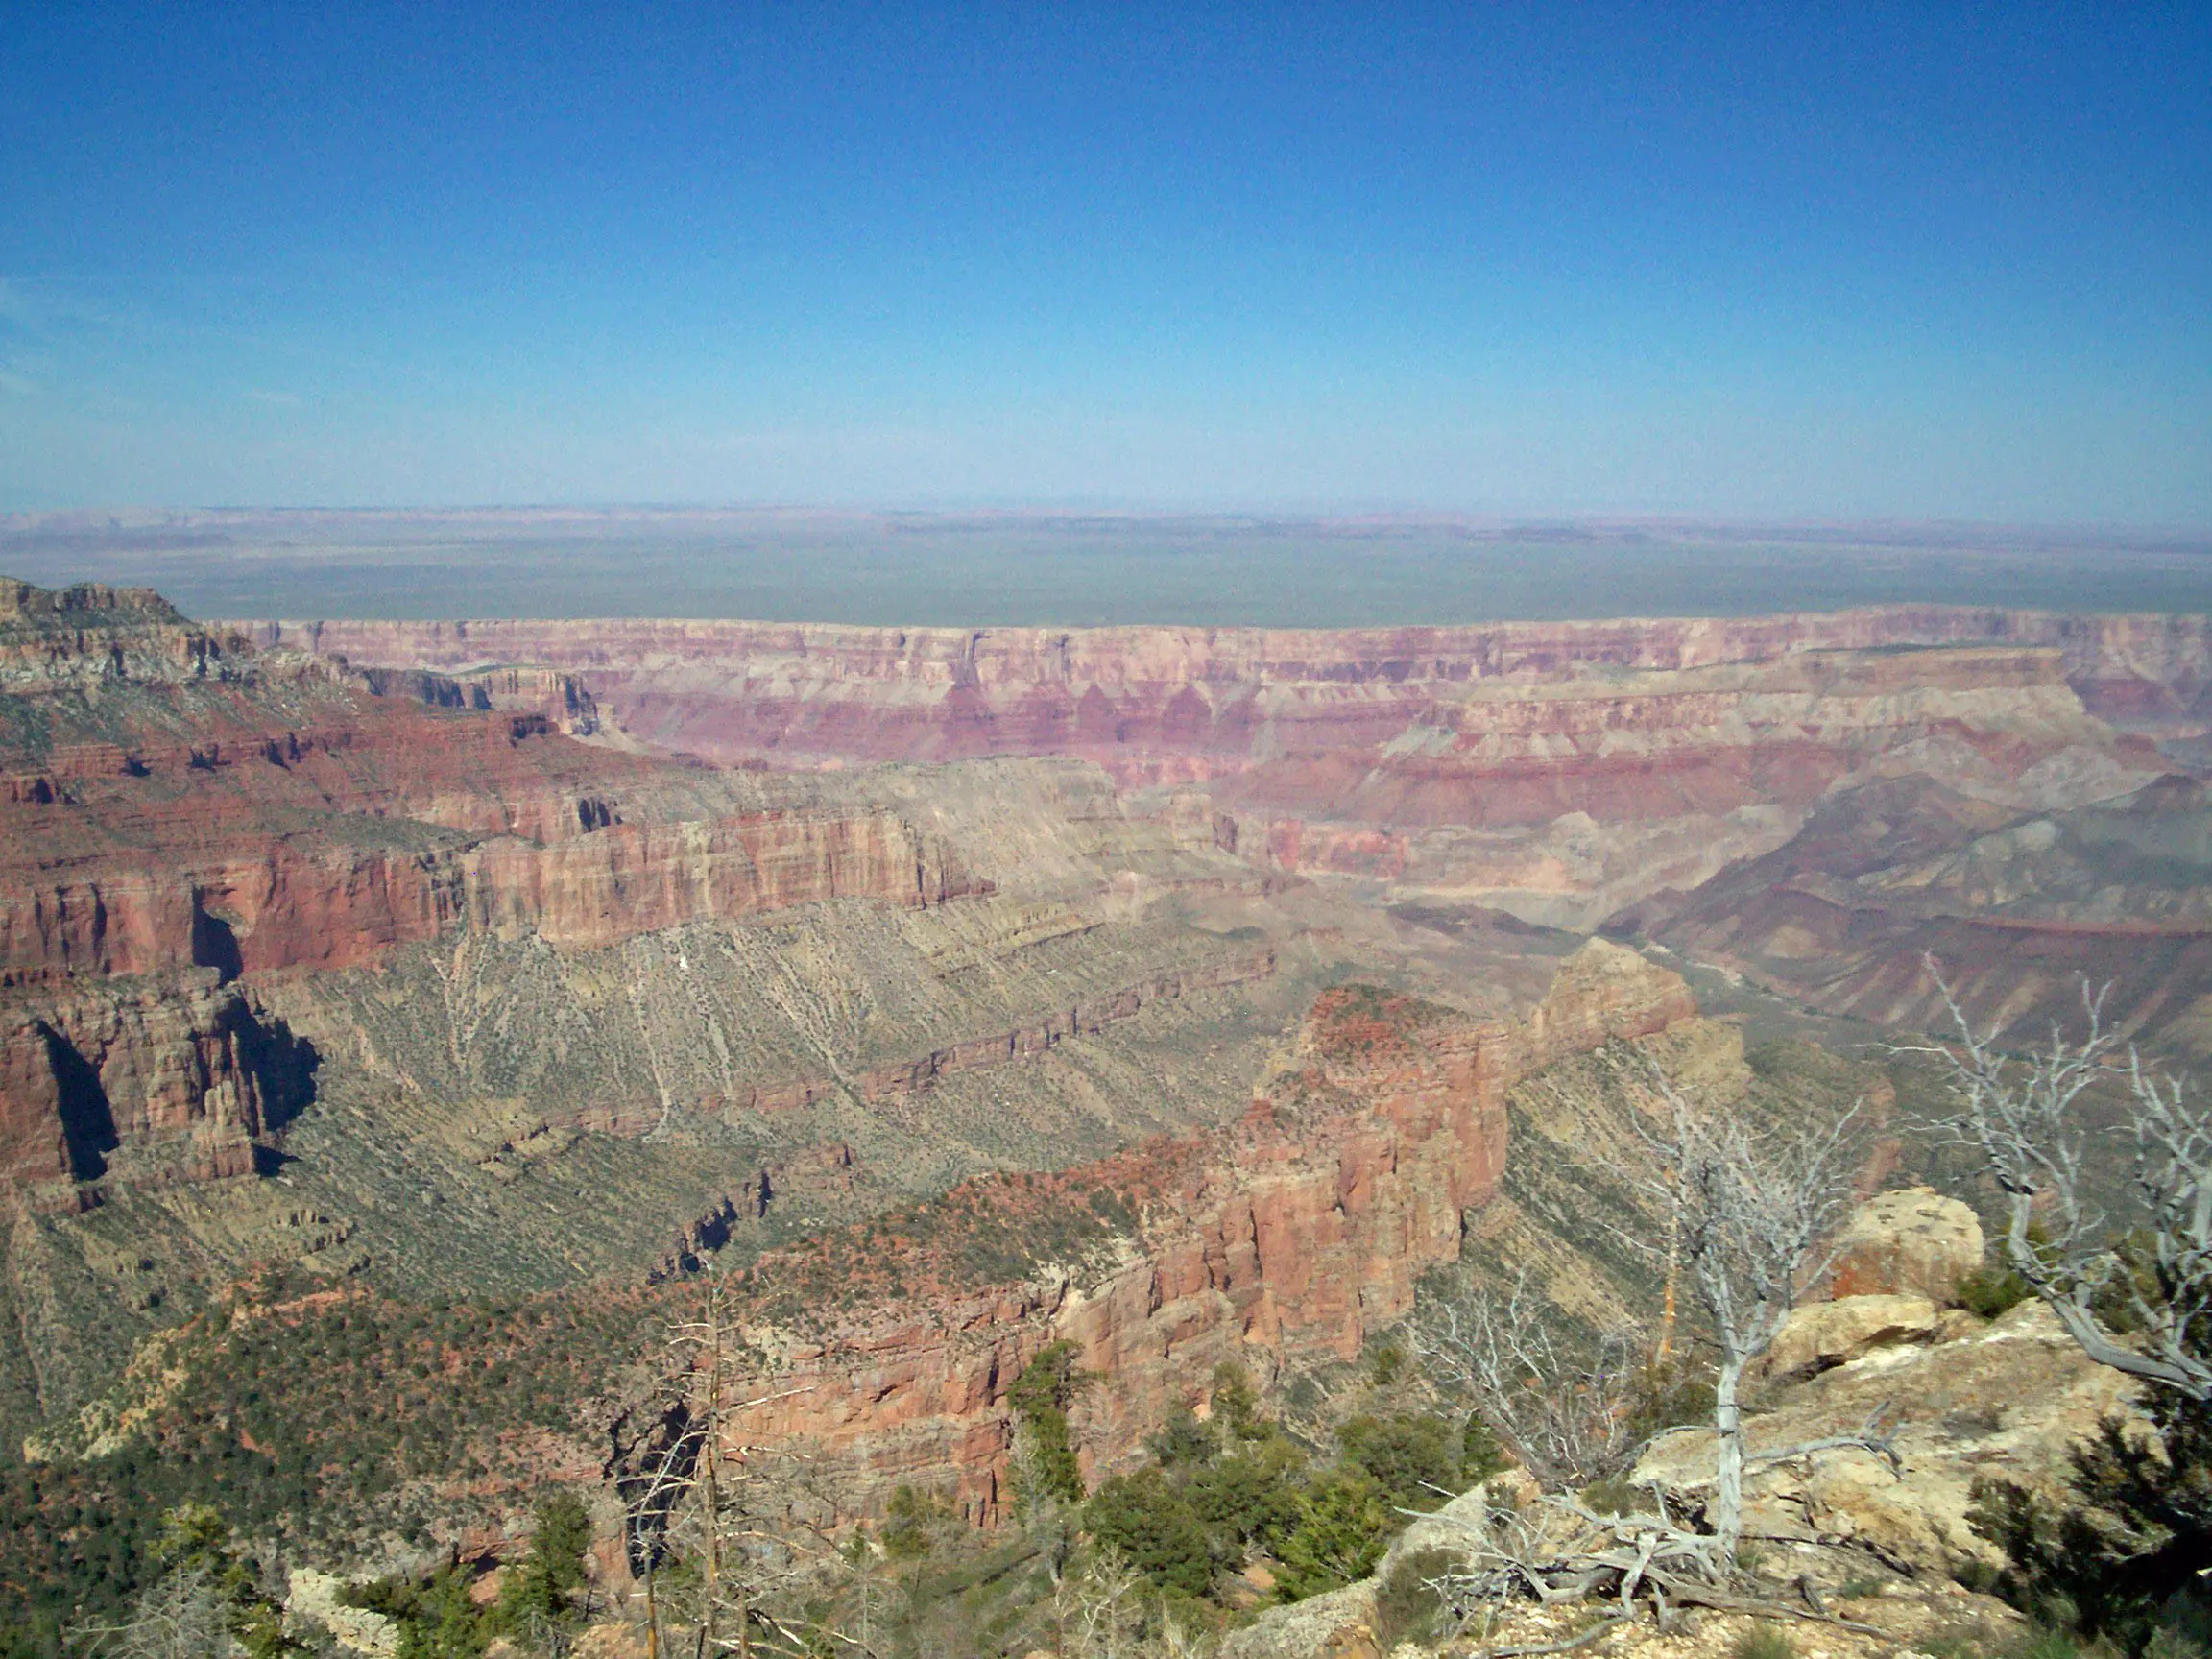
{"x": 1563, "y": 1415}
{"x": 2022, "y": 1114}
{"x": 1751, "y": 1214}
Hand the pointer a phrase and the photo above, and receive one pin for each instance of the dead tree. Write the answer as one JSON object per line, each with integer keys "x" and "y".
{"x": 649, "y": 1498}
{"x": 743, "y": 1557}
{"x": 1562, "y": 1412}
{"x": 1557, "y": 1551}
{"x": 1749, "y": 1209}
{"x": 2023, "y": 1115}
{"x": 1103, "y": 1609}
{"x": 179, "y": 1616}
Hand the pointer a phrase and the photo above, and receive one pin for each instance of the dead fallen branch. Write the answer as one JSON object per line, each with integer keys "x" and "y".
{"x": 1557, "y": 1552}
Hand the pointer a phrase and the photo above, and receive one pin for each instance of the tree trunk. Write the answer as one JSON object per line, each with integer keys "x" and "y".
{"x": 709, "y": 1449}
{"x": 1728, "y": 1486}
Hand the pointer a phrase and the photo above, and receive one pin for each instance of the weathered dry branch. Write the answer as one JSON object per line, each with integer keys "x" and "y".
{"x": 1751, "y": 1214}
{"x": 2023, "y": 1115}
{"x": 1563, "y": 1415}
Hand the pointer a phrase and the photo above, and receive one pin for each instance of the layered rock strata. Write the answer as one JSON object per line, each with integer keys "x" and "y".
{"x": 1560, "y": 772}
{"x": 1163, "y": 702}
{"x": 880, "y": 1083}
{"x": 280, "y": 906}
{"x": 179, "y": 813}
{"x": 1289, "y": 1234}
{"x": 1890, "y": 884}
{"x": 160, "y": 1082}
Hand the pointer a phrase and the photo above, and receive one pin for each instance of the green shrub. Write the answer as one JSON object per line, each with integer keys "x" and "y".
{"x": 1480, "y": 1454}
{"x": 1252, "y": 1496}
{"x": 1762, "y": 1640}
{"x": 196, "y": 1538}
{"x": 1666, "y": 1393}
{"x": 1343, "y": 1524}
{"x": 911, "y": 1523}
{"x": 1041, "y": 1396}
{"x": 444, "y": 1623}
{"x": 1417, "y": 1460}
{"x": 1387, "y": 1364}
{"x": 1236, "y": 1401}
{"x": 1405, "y": 1608}
{"x": 1184, "y": 1439}
{"x": 540, "y": 1588}
{"x": 1991, "y": 1292}
{"x": 1150, "y": 1524}
{"x": 1615, "y": 1495}
{"x": 438, "y": 1618}
{"x": 2120, "y": 1563}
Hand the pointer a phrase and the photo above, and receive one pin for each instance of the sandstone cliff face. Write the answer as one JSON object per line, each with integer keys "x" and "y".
{"x": 1293, "y": 1233}
{"x": 280, "y": 906}
{"x": 1169, "y": 704}
{"x": 177, "y": 809}
{"x": 92, "y": 631}
{"x": 148, "y": 1082}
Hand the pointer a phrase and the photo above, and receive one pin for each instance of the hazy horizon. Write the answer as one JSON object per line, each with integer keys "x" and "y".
{"x": 1071, "y": 569}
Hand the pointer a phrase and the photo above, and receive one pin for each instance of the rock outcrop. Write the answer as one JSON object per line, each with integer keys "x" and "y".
{"x": 1910, "y": 1242}
{"x": 149, "y": 1082}
{"x": 93, "y": 633}
{"x": 1290, "y": 1234}
{"x": 1822, "y": 1334}
{"x": 2006, "y": 1399}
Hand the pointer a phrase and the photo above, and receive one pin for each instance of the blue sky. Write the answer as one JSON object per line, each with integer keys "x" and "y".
{"x": 1786, "y": 261}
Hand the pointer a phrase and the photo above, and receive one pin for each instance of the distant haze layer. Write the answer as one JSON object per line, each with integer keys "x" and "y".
{"x": 1009, "y": 569}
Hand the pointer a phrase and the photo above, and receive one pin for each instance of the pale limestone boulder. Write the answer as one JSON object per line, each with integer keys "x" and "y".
{"x": 1338, "y": 1625}
{"x": 1909, "y": 1242}
{"x": 1914, "y": 1514}
{"x": 1822, "y": 1334}
{"x": 1465, "y": 1518}
{"x": 312, "y": 1597}
{"x": 2010, "y": 1399}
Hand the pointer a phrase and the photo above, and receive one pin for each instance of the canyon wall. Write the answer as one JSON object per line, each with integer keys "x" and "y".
{"x": 279, "y": 907}
{"x": 152, "y": 1083}
{"x": 1289, "y": 1234}
{"x": 93, "y": 632}
{"x": 2018, "y": 911}
{"x": 1169, "y": 704}
{"x": 179, "y": 813}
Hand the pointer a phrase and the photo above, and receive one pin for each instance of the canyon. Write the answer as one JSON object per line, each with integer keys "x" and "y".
{"x": 953, "y": 992}
{"x": 1573, "y": 775}
{"x": 1290, "y": 1236}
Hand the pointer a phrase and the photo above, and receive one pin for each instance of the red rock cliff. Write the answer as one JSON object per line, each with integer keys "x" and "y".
{"x": 1162, "y": 704}
{"x": 1292, "y": 1235}
{"x": 146, "y": 1082}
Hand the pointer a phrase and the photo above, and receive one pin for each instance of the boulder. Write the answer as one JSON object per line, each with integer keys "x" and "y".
{"x": 1909, "y": 1242}
{"x": 313, "y": 1598}
{"x": 1337, "y": 1626}
{"x": 1822, "y": 1334}
{"x": 1450, "y": 1528}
